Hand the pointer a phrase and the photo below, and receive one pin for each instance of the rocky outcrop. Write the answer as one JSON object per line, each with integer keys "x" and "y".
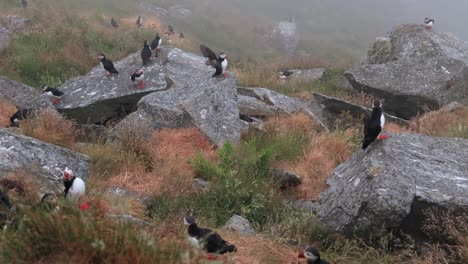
{"x": 240, "y": 225}
{"x": 195, "y": 100}
{"x": 96, "y": 98}
{"x": 45, "y": 162}
{"x": 21, "y": 95}
{"x": 414, "y": 69}
{"x": 392, "y": 183}
{"x": 265, "y": 102}
{"x": 16, "y": 23}
{"x": 333, "y": 108}
{"x": 5, "y": 39}
{"x": 308, "y": 75}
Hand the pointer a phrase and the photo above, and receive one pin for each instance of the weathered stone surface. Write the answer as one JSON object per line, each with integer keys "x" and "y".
{"x": 195, "y": 99}
{"x": 240, "y": 225}
{"x": 426, "y": 69}
{"x": 39, "y": 159}
{"x": 308, "y": 75}
{"x": 16, "y": 23}
{"x": 5, "y": 39}
{"x": 395, "y": 180}
{"x": 334, "y": 107}
{"x": 269, "y": 101}
{"x": 251, "y": 106}
{"x": 285, "y": 179}
{"x": 96, "y": 98}
{"x": 20, "y": 94}
{"x": 380, "y": 51}
{"x": 200, "y": 184}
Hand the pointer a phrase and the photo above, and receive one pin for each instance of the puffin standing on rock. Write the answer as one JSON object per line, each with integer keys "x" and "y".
{"x": 312, "y": 255}
{"x": 220, "y": 63}
{"x": 429, "y": 23}
{"x": 138, "y": 76}
{"x": 205, "y": 238}
{"x": 374, "y": 125}
{"x": 53, "y": 93}
{"x": 145, "y": 53}
{"x": 156, "y": 45}
{"x": 74, "y": 186}
{"x": 19, "y": 115}
{"x": 108, "y": 65}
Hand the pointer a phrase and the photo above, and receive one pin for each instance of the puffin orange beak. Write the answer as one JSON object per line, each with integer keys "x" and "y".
{"x": 301, "y": 254}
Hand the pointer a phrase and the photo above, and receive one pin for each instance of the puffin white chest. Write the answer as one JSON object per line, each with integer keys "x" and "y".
{"x": 76, "y": 190}
{"x": 224, "y": 65}
{"x": 194, "y": 242}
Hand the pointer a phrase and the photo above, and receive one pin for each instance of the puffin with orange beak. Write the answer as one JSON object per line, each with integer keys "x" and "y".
{"x": 312, "y": 255}
{"x": 220, "y": 62}
{"x": 108, "y": 65}
{"x": 74, "y": 186}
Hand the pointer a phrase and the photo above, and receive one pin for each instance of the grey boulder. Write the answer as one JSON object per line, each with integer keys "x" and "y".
{"x": 44, "y": 161}
{"x": 240, "y": 225}
{"x": 96, "y": 98}
{"x": 414, "y": 70}
{"x": 392, "y": 183}
{"x": 22, "y": 95}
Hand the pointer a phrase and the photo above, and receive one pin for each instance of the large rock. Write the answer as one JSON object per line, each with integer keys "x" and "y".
{"x": 265, "y": 102}
{"x": 418, "y": 69}
{"x": 333, "y": 108}
{"x": 42, "y": 160}
{"x": 240, "y": 225}
{"x": 96, "y": 98}
{"x": 308, "y": 75}
{"x": 394, "y": 182}
{"x": 5, "y": 39}
{"x": 21, "y": 95}
{"x": 195, "y": 99}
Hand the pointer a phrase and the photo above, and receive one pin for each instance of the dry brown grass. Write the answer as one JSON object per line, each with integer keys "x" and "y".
{"x": 441, "y": 123}
{"x": 26, "y": 185}
{"x": 170, "y": 150}
{"x": 49, "y": 126}
{"x": 321, "y": 156}
{"x": 299, "y": 123}
{"x": 7, "y": 109}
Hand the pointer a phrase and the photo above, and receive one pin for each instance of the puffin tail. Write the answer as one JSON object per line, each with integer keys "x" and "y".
{"x": 228, "y": 248}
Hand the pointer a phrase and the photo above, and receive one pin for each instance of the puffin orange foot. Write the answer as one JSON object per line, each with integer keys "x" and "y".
{"x": 211, "y": 256}
{"x": 382, "y": 137}
{"x": 226, "y": 74}
{"x": 85, "y": 206}
{"x": 141, "y": 85}
{"x": 55, "y": 101}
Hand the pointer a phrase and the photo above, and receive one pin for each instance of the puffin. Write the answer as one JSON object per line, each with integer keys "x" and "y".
{"x": 138, "y": 76}
{"x": 53, "y": 93}
{"x": 24, "y": 3}
{"x": 284, "y": 74}
{"x": 107, "y": 64}
{"x": 206, "y": 239}
{"x": 312, "y": 255}
{"x": 220, "y": 63}
{"x": 114, "y": 23}
{"x": 145, "y": 53}
{"x": 156, "y": 44}
{"x": 20, "y": 115}
{"x": 139, "y": 22}
{"x": 429, "y": 22}
{"x": 373, "y": 126}
{"x": 181, "y": 35}
{"x": 74, "y": 186}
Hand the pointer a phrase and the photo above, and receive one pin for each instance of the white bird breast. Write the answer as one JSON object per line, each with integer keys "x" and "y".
{"x": 382, "y": 121}
{"x": 194, "y": 242}
{"x": 224, "y": 64}
{"x": 77, "y": 190}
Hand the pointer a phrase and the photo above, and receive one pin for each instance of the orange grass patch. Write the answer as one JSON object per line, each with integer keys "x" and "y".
{"x": 7, "y": 109}
{"x": 299, "y": 123}
{"x": 439, "y": 123}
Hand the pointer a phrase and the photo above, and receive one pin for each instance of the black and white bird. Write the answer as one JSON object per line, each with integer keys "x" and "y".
{"x": 74, "y": 186}
{"x": 24, "y": 3}
{"x": 53, "y": 93}
{"x": 428, "y": 22}
{"x": 181, "y": 35}
{"x": 19, "y": 115}
{"x": 114, "y": 23}
{"x": 108, "y": 65}
{"x": 139, "y": 22}
{"x": 285, "y": 74}
{"x": 156, "y": 45}
{"x": 146, "y": 53}
{"x": 207, "y": 239}
{"x": 137, "y": 76}
{"x": 373, "y": 126}
{"x": 312, "y": 255}
{"x": 220, "y": 62}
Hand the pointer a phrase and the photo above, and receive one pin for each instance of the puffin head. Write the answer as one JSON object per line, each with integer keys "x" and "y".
{"x": 222, "y": 56}
{"x": 67, "y": 174}
{"x": 139, "y": 72}
{"x": 377, "y": 103}
{"x": 101, "y": 57}
{"x": 145, "y": 43}
{"x": 310, "y": 253}
{"x": 188, "y": 220}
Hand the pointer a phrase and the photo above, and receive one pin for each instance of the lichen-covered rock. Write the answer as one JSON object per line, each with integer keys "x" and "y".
{"x": 393, "y": 182}
{"x": 44, "y": 161}
{"x": 96, "y": 98}
{"x": 240, "y": 225}
{"x": 422, "y": 69}
{"x": 21, "y": 95}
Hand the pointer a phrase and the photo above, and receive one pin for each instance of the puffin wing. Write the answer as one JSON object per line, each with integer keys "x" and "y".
{"x": 155, "y": 43}
{"x": 208, "y": 53}
{"x": 109, "y": 66}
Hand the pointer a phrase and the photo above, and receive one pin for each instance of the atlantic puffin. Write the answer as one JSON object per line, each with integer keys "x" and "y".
{"x": 284, "y": 74}
{"x": 20, "y": 115}
{"x": 220, "y": 63}
{"x": 53, "y": 93}
{"x": 139, "y": 22}
{"x": 206, "y": 239}
{"x": 429, "y": 23}
{"x": 114, "y": 23}
{"x": 373, "y": 126}
{"x": 312, "y": 255}
{"x": 145, "y": 53}
{"x": 181, "y": 35}
{"x": 107, "y": 64}
{"x": 138, "y": 76}
{"x": 74, "y": 186}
